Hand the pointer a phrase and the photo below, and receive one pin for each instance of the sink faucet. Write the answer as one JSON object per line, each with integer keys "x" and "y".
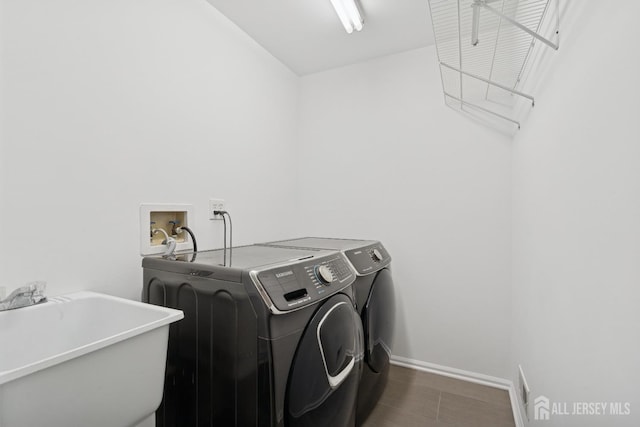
{"x": 30, "y": 294}
{"x": 169, "y": 241}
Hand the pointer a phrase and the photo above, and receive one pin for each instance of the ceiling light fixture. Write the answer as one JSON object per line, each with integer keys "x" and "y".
{"x": 349, "y": 14}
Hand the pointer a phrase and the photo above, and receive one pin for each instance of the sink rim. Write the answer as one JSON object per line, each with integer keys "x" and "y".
{"x": 170, "y": 316}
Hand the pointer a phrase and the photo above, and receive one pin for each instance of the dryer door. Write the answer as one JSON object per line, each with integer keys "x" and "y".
{"x": 378, "y": 319}
{"x": 323, "y": 380}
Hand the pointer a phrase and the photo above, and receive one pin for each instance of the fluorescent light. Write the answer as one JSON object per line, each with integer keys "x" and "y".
{"x": 353, "y": 13}
{"x": 349, "y": 14}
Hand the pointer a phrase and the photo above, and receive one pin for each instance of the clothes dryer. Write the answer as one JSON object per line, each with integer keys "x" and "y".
{"x": 375, "y": 303}
{"x": 273, "y": 340}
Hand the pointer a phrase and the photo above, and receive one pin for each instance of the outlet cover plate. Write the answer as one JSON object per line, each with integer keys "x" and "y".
{"x": 216, "y": 205}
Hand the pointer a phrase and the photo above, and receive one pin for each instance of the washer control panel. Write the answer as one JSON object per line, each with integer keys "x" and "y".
{"x": 369, "y": 259}
{"x": 304, "y": 281}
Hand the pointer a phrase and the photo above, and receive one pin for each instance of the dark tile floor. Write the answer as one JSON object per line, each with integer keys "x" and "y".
{"x": 414, "y": 398}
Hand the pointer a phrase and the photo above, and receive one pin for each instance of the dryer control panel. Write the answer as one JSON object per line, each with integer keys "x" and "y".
{"x": 368, "y": 259}
{"x": 301, "y": 282}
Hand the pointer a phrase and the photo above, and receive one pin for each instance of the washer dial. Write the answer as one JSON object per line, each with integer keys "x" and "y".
{"x": 324, "y": 274}
{"x": 376, "y": 255}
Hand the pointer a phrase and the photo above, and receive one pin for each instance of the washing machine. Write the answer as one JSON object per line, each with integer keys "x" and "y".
{"x": 272, "y": 340}
{"x": 375, "y": 303}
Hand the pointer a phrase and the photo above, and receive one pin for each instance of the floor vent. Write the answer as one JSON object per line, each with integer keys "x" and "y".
{"x": 524, "y": 390}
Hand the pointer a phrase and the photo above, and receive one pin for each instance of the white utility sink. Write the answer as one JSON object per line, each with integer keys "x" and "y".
{"x": 83, "y": 359}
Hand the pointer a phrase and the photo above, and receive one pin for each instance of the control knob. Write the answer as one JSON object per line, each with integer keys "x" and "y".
{"x": 324, "y": 274}
{"x": 376, "y": 255}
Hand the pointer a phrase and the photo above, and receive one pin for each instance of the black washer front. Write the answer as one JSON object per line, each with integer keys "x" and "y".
{"x": 375, "y": 303}
{"x": 323, "y": 381}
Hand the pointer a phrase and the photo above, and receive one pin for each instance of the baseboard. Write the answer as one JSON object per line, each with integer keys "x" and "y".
{"x": 516, "y": 407}
{"x": 461, "y": 374}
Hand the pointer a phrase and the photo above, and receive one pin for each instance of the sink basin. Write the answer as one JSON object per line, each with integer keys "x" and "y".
{"x": 83, "y": 359}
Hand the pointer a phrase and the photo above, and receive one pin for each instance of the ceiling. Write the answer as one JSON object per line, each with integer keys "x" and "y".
{"x": 307, "y": 36}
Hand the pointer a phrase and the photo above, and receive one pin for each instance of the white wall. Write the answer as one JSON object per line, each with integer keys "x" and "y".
{"x": 106, "y": 105}
{"x": 577, "y": 219}
{"x": 382, "y": 158}
{"x": 109, "y": 104}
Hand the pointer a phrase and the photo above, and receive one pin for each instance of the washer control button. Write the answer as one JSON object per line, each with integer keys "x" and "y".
{"x": 324, "y": 274}
{"x": 376, "y": 255}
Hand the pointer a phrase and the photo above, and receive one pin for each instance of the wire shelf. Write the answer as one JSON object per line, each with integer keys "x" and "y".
{"x": 484, "y": 47}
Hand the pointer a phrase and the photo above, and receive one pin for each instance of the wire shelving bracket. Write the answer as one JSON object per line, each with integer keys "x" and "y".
{"x": 485, "y": 48}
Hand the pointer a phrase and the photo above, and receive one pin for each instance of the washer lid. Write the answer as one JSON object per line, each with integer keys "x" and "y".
{"x": 243, "y": 258}
{"x": 251, "y": 257}
{"x": 322, "y": 243}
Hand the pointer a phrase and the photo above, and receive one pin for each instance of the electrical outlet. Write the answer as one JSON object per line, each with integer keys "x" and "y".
{"x": 3, "y": 292}
{"x": 215, "y": 205}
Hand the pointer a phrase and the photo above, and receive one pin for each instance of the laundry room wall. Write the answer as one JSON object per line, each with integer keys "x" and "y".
{"x": 381, "y": 157}
{"x": 109, "y": 104}
{"x": 577, "y": 220}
